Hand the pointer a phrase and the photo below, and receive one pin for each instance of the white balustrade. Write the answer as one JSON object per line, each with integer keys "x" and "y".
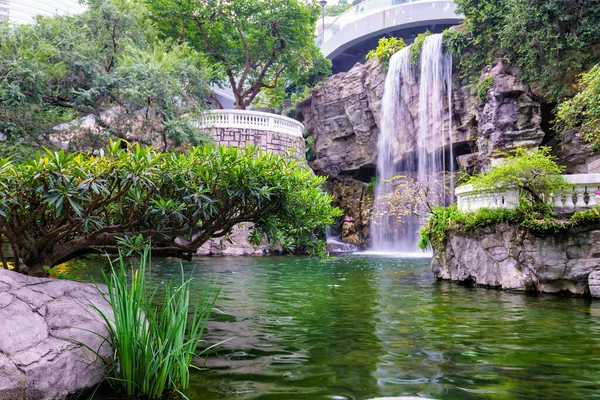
{"x": 582, "y": 195}
{"x": 250, "y": 120}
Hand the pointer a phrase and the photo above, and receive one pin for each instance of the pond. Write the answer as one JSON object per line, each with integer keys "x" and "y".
{"x": 358, "y": 327}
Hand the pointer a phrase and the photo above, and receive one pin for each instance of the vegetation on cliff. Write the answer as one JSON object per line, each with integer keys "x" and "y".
{"x": 536, "y": 175}
{"x": 59, "y": 206}
{"x": 386, "y": 47}
{"x": 582, "y": 112}
{"x": 550, "y": 41}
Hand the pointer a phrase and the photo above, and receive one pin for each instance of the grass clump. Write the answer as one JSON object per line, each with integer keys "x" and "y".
{"x": 153, "y": 346}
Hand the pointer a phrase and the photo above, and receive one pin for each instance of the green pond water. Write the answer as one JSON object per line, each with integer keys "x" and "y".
{"x": 358, "y": 327}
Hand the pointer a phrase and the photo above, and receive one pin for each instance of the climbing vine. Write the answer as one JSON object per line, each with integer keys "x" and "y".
{"x": 484, "y": 87}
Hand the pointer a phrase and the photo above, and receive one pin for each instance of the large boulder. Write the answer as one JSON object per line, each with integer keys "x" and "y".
{"x": 47, "y": 329}
{"x": 508, "y": 257}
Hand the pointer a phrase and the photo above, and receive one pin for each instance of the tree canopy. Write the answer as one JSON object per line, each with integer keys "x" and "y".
{"x": 256, "y": 44}
{"x": 59, "y": 206}
{"x": 108, "y": 58}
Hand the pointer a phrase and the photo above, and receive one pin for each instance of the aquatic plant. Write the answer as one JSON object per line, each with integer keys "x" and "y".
{"x": 153, "y": 346}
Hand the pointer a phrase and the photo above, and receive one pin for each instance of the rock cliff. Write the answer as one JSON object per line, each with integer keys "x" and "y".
{"x": 343, "y": 116}
{"x": 508, "y": 257}
{"x": 45, "y": 327}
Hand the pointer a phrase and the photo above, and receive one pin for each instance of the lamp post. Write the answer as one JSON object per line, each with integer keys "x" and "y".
{"x": 323, "y": 3}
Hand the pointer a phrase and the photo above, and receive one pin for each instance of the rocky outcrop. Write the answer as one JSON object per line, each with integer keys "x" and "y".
{"x": 506, "y": 256}
{"x": 574, "y": 153}
{"x": 235, "y": 245}
{"x": 343, "y": 114}
{"x": 354, "y": 197}
{"x": 44, "y": 323}
{"x": 508, "y": 118}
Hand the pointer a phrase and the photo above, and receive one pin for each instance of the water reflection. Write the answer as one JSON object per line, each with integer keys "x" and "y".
{"x": 362, "y": 327}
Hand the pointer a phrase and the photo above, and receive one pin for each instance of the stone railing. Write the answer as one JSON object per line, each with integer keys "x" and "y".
{"x": 244, "y": 119}
{"x": 581, "y": 196}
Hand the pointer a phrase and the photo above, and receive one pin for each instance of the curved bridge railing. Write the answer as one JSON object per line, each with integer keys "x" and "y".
{"x": 246, "y": 119}
{"x": 583, "y": 195}
{"x": 373, "y": 17}
{"x": 354, "y": 14}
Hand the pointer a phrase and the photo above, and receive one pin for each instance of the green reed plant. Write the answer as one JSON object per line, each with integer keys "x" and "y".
{"x": 153, "y": 345}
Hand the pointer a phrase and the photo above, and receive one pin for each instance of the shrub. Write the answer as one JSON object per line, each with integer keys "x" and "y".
{"x": 59, "y": 205}
{"x": 386, "y": 48}
{"x": 153, "y": 347}
{"x": 535, "y": 173}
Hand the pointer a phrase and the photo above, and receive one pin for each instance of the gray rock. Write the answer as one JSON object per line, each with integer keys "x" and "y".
{"x": 508, "y": 257}
{"x": 344, "y": 115}
{"x": 237, "y": 245}
{"x": 508, "y": 119}
{"x": 594, "y": 283}
{"x": 44, "y": 323}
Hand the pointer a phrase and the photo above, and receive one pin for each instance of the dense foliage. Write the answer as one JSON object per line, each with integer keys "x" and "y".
{"x": 256, "y": 44}
{"x": 549, "y": 40}
{"x": 537, "y": 217}
{"x": 153, "y": 347}
{"x": 536, "y": 173}
{"x": 386, "y": 47}
{"x": 582, "y": 112}
{"x": 59, "y": 205}
{"x": 107, "y": 62}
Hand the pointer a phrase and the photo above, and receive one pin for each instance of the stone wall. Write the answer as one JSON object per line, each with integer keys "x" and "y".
{"x": 508, "y": 257}
{"x": 280, "y": 143}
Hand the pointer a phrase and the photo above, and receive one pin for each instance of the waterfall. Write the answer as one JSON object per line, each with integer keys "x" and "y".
{"x": 429, "y": 132}
{"x": 394, "y": 113}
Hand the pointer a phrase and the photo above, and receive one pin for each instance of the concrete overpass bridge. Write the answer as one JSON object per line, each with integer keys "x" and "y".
{"x": 349, "y": 38}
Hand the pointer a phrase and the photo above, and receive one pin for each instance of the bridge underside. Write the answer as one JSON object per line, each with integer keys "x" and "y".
{"x": 345, "y": 59}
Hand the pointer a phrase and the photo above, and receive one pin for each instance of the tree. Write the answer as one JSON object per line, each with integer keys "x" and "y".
{"x": 107, "y": 62}
{"x": 255, "y": 43}
{"x": 59, "y": 206}
{"x": 535, "y": 173}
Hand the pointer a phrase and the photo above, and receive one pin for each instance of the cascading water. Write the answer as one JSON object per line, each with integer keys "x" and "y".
{"x": 429, "y": 132}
